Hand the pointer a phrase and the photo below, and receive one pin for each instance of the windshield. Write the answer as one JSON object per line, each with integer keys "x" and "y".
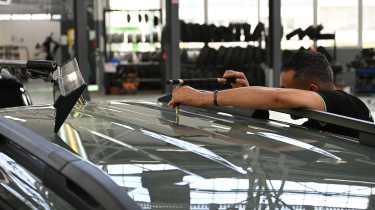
{"x": 221, "y": 165}
{"x": 216, "y": 161}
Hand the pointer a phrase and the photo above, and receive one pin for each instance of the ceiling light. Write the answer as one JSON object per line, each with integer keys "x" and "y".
{"x": 5, "y": 2}
{"x": 5, "y": 16}
{"x": 21, "y": 17}
{"x": 41, "y": 17}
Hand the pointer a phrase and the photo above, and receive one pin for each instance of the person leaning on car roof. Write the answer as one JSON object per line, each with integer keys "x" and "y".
{"x": 306, "y": 82}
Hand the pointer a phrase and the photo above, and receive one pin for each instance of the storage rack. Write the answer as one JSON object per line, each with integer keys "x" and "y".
{"x": 13, "y": 52}
{"x": 136, "y": 45}
{"x": 337, "y": 69}
{"x": 317, "y": 36}
{"x": 208, "y": 66}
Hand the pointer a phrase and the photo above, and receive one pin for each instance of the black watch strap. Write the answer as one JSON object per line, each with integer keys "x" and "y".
{"x": 215, "y": 98}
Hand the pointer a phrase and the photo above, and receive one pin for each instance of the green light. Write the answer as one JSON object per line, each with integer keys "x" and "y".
{"x": 93, "y": 88}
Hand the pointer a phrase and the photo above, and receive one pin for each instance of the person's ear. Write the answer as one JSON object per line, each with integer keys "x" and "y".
{"x": 314, "y": 87}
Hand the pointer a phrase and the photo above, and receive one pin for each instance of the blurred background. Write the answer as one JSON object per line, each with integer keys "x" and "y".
{"x": 128, "y": 48}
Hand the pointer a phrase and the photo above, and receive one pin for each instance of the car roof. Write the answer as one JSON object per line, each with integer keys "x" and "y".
{"x": 148, "y": 121}
{"x": 203, "y": 144}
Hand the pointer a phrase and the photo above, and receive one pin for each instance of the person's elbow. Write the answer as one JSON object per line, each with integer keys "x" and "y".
{"x": 284, "y": 100}
{"x": 290, "y": 99}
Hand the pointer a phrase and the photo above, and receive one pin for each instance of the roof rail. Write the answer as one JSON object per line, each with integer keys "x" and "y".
{"x": 82, "y": 184}
{"x": 366, "y": 129}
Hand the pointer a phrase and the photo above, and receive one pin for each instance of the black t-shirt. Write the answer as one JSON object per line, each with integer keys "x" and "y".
{"x": 341, "y": 103}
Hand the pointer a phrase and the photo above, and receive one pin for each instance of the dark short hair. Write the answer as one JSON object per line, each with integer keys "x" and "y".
{"x": 310, "y": 65}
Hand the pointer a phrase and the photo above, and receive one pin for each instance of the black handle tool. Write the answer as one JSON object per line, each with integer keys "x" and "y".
{"x": 200, "y": 81}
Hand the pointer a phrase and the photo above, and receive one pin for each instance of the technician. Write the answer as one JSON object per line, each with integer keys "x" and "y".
{"x": 306, "y": 82}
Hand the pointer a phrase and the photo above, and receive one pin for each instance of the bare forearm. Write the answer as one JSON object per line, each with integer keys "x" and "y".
{"x": 258, "y": 98}
{"x": 249, "y": 97}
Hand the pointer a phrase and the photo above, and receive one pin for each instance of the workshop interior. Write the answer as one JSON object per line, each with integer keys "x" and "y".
{"x": 86, "y": 120}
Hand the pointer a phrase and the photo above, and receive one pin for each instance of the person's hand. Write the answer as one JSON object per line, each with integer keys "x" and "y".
{"x": 189, "y": 96}
{"x": 241, "y": 80}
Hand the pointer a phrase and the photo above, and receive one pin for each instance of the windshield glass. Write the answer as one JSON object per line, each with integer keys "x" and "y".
{"x": 214, "y": 163}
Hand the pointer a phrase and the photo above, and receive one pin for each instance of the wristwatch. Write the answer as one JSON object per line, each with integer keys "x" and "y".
{"x": 215, "y": 98}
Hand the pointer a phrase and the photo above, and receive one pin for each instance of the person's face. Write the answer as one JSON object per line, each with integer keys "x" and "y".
{"x": 287, "y": 80}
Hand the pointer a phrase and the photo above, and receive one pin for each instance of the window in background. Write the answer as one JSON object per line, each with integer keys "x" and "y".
{"x": 296, "y": 14}
{"x": 119, "y": 19}
{"x": 134, "y": 4}
{"x": 263, "y": 12}
{"x": 368, "y": 23}
{"x": 340, "y": 17}
{"x": 223, "y": 12}
{"x": 130, "y": 24}
{"x": 192, "y": 11}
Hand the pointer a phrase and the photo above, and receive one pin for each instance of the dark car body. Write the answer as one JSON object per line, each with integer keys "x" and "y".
{"x": 202, "y": 159}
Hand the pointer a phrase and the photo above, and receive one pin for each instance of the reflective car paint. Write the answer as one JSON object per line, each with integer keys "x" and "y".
{"x": 208, "y": 160}
{"x": 19, "y": 189}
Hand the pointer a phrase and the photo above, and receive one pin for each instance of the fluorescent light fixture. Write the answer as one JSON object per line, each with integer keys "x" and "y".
{"x": 41, "y": 17}
{"x": 5, "y": 17}
{"x": 5, "y": 2}
{"x": 21, "y": 17}
{"x": 350, "y": 181}
{"x": 92, "y": 88}
{"x": 56, "y": 17}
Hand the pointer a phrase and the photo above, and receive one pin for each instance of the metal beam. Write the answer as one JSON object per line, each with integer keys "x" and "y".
{"x": 82, "y": 39}
{"x": 315, "y": 12}
{"x": 99, "y": 6}
{"x": 205, "y": 6}
{"x": 172, "y": 41}
{"x": 360, "y": 23}
{"x": 275, "y": 33}
{"x": 258, "y": 9}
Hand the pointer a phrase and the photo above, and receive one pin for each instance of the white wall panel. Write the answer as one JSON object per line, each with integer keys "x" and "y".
{"x": 28, "y": 33}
